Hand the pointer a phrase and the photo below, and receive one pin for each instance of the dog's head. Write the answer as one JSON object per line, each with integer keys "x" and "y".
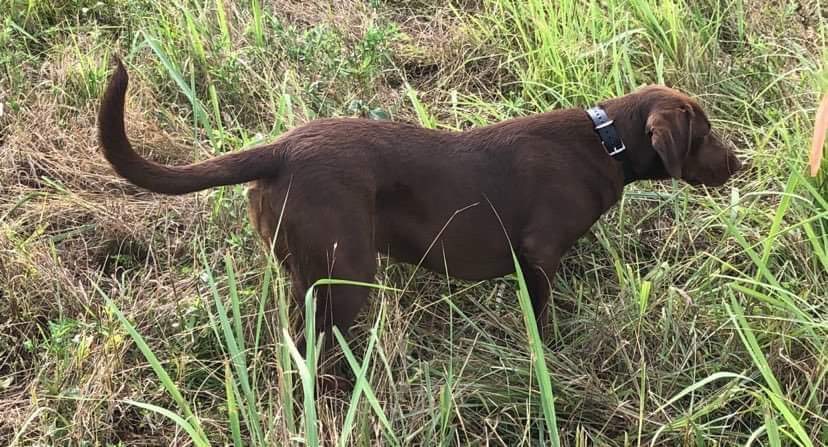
{"x": 681, "y": 136}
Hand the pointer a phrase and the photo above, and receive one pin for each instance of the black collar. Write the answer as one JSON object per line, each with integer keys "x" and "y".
{"x": 611, "y": 140}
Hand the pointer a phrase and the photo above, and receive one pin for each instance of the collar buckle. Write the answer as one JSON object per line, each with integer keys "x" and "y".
{"x": 610, "y": 139}
{"x": 616, "y": 150}
{"x": 605, "y": 128}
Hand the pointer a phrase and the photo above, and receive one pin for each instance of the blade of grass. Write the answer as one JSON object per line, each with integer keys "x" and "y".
{"x": 772, "y": 429}
{"x": 158, "y": 369}
{"x": 284, "y": 362}
{"x": 425, "y": 118}
{"x": 198, "y": 109}
{"x": 234, "y": 302}
{"x": 309, "y": 305}
{"x": 538, "y": 358}
{"x": 25, "y": 426}
{"x": 308, "y": 387}
{"x": 224, "y": 27}
{"x": 193, "y": 431}
{"x": 237, "y": 356}
{"x": 781, "y": 210}
{"x": 362, "y": 386}
{"x": 700, "y": 384}
{"x": 232, "y": 409}
{"x": 260, "y": 312}
{"x": 258, "y": 23}
{"x": 774, "y": 391}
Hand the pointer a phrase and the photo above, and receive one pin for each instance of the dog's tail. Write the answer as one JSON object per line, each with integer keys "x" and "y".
{"x": 229, "y": 169}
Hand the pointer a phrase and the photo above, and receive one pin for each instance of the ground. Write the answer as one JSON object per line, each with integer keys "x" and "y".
{"x": 128, "y": 318}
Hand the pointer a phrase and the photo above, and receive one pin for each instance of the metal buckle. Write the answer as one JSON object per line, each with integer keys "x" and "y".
{"x": 616, "y": 150}
{"x": 603, "y": 125}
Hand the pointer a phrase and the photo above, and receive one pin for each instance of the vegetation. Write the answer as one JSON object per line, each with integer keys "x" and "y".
{"x": 701, "y": 315}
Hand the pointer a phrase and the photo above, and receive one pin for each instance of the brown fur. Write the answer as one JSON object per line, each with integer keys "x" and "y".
{"x": 346, "y": 189}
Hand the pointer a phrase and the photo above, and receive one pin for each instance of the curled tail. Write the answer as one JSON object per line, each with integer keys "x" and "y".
{"x": 229, "y": 169}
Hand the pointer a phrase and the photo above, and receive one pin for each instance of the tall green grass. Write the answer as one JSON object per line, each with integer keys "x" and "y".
{"x": 228, "y": 330}
{"x": 699, "y": 314}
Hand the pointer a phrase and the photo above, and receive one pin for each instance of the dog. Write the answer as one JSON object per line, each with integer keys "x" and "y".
{"x": 341, "y": 190}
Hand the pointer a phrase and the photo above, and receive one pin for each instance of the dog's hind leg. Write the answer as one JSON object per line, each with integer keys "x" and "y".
{"x": 346, "y": 253}
{"x": 539, "y": 262}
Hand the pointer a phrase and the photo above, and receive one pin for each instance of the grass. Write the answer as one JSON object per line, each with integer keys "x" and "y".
{"x": 701, "y": 315}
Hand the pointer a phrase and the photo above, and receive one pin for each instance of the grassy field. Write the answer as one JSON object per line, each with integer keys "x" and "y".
{"x": 128, "y": 318}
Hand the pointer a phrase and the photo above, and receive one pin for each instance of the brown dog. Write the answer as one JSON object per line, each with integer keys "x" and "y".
{"x": 341, "y": 190}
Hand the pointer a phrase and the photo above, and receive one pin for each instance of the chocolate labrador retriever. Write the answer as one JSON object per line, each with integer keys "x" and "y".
{"x": 341, "y": 190}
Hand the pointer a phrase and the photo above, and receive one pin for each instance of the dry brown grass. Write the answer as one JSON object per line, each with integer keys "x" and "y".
{"x": 69, "y": 226}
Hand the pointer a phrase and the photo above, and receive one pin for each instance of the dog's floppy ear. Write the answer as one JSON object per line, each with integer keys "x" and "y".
{"x": 670, "y": 133}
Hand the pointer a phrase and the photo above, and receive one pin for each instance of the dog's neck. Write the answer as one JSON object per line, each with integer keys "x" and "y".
{"x": 630, "y": 119}
{"x": 613, "y": 143}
